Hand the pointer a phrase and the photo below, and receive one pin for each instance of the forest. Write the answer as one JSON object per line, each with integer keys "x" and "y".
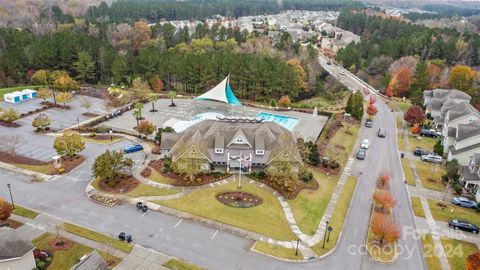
{"x": 155, "y": 10}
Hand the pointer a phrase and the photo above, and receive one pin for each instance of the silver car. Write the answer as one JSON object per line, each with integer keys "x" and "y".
{"x": 432, "y": 158}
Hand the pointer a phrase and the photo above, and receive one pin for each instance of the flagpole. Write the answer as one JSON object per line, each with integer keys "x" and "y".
{"x": 240, "y": 173}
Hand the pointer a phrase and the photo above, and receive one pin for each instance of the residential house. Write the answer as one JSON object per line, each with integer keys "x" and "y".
{"x": 465, "y": 144}
{"x": 470, "y": 176}
{"x": 219, "y": 145}
{"x": 15, "y": 251}
{"x": 92, "y": 261}
{"x": 438, "y": 101}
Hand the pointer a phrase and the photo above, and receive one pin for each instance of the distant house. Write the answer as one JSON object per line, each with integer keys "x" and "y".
{"x": 15, "y": 251}
{"x": 470, "y": 176}
{"x": 216, "y": 145}
{"x": 435, "y": 99}
{"x": 92, "y": 261}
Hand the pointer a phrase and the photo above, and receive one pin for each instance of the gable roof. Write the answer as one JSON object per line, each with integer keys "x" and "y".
{"x": 13, "y": 245}
{"x": 465, "y": 149}
{"x": 239, "y": 133}
{"x": 93, "y": 261}
{"x": 465, "y": 131}
{"x": 462, "y": 109}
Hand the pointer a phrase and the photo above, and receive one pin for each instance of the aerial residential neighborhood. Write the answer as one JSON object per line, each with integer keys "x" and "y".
{"x": 187, "y": 135}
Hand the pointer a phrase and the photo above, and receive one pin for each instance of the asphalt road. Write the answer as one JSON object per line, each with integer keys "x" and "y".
{"x": 202, "y": 245}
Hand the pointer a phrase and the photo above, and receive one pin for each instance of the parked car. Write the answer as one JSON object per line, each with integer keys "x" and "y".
{"x": 463, "y": 225}
{"x": 133, "y": 148}
{"x": 429, "y": 133}
{"x": 420, "y": 151}
{"x": 329, "y": 62}
{"x": 464, "y": 202}
{"x": 382, "y": 132}
{"x": 432, "y": 158}
{"x": 361, "y": 154}
{"x": 365, "y": 144}
{"x": 369, "y": 123}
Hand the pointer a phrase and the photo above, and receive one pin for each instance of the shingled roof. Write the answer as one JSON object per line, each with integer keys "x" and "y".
{"x": 206, "y": 135}
{"x": 465, "y": 131}
{"x": 13, "y": 245}
{"x": 462, "y": 109}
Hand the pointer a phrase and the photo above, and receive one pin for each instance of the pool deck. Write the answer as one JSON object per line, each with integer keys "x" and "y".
{"x": 308, "y": 127}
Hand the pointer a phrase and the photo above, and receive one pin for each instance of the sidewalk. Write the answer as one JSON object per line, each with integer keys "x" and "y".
{"x": 139, "y": 258}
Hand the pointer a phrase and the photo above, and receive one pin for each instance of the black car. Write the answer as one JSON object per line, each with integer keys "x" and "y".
{"x": 420, "y": 151}
{"x": 463, "y": 225}
{"x": 361, "y": 154}
{"x": 428, "y": 133}
{"x": 368, "y": 123}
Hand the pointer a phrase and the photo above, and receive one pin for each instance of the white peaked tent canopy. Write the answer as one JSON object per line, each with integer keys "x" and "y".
{"x": 222, "y": 92}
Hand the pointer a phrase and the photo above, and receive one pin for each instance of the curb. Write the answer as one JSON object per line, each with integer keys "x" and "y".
{"x": 15, "y": 169}
{"x": 275, "y": 257}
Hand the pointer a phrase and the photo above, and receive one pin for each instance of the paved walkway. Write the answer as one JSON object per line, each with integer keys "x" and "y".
{"x": 421, "y": 192}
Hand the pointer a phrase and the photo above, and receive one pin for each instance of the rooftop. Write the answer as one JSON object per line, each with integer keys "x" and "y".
{"x": 13, "y": 245}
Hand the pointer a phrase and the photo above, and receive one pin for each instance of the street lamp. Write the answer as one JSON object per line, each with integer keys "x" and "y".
{"x": 325, "y": 234}
{"x": 296, "y": 250}
{"x": 11, "y": 197}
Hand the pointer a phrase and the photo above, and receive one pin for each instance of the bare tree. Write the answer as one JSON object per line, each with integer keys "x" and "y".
{"x": 10, "y": 143}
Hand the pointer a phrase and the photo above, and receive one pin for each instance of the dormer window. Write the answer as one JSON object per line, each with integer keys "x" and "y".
{"x": 218, "y": 151}
{"x": 259, "y": 152}
{"x": 239, "y": 140}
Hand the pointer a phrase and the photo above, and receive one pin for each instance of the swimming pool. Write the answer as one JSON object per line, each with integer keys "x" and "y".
{"x": 285, "y": 121}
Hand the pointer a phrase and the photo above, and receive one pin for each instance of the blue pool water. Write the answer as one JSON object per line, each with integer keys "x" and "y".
{"x": 285, "y": 121}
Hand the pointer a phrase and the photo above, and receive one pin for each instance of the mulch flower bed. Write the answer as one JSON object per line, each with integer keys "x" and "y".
{"x": 16, "y": 159}
{"x": 121, "y": 185}
{"x": 89, "y": 114}
{"x": 238, "y": 199}
{"x": 60, "y": 243}
{"x": 9, "y": 124}
{"x": 182, "y": 180}
{"x": 68, "y": 164}
{"x": 43, "y": 258}
{"x": 11, "y": 224}
{"x": 104, "y": 137}
{"x": 290, "y": 191}
{"x": 146, "y": 172}
{"x": 105, "y": 201}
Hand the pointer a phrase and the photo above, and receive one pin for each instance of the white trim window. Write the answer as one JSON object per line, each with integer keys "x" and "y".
{"x": 259, "y": 152}
{"x": 218, "y": 151}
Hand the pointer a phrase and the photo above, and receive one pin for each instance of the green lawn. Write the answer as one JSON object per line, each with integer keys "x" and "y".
{"x": 267, "y": 218}
{"x": 417, "y": 207}
{"x": 146, "y": 190}
{"x": 342, "y": 143}
{"x": 338, "y": 217}
{"x": 65, "y": 259}
{"x": 429, "y": 253}
{"x": 408, "y": 172}
{"x": 158, "y": 177}
{"x": 323, "y": 103}
{"x": 401, "y": 143}
{"x": 308, "y": 207}
{"x": 45, "y": 169}
{"x": 422, "y": 142}
{"x": 98, "y": 237}
{"x": 404, "y": 105}
{"x": 105, "y": 142}
{"x": 431, "y": 175}
{"x": 453, "y": 212}
{"x": 180, "y": 265}
{"x": 399, "y": 122}
{"x": 4, "y": 91}
{"x": 277, "y": 251}
{"x": 24, "y": 212}
{"x": 457, "y": 252}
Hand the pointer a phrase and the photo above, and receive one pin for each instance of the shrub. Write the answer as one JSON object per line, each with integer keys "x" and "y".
{"x": 41, "y": 265}
{"x": 273, "y": 103}
{"x": 445, "y": 178}
{"x": 306, "y": 176}
{"x": 61, "y": 170}
{"x": 334, "y": 164}
{"x": 101, "y": 129}
{"x": 92, "y": 135}
{"x": 259, "y": 174}
{"x": 325, "y": 162}
{"x": 167, "y": 162}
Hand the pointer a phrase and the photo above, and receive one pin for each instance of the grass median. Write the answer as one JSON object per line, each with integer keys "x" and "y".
{"x": 408, "y": 172}
{"x": 24, "y": 212}
{"x": 417, "y": 207}
{"x": 97, "y": 237}
{"x": 277, "y": 251}
{"x": 430, "y": 253}
{"x": 338, "y": 217}
{"x": 180, "y": 265}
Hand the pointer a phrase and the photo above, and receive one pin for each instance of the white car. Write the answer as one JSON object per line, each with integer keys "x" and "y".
{"x": 365, "y": 144}
{"x": 432, "y": 158}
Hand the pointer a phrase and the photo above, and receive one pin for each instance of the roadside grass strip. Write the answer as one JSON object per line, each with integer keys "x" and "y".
{"x": 429, "y": 253}
{"x": 181, "y": 265}
{"x": 277, "y": 251}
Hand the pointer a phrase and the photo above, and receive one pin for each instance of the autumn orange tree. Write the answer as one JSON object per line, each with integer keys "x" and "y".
{"x": 372, "y": 109}
{"x": 404, "y": 79}
{"x": 384, "y": 228}
{"x": 473, "y": 261}
{"x": 384, "y": 198}
{"x": 5, "y": 210}
{"x": 146, "y": 127}
{"x": 156, "y": 83}
{"x": 284, "y": 101}
{"x": 301, "y": 74}
{"x": 142, "y": 33}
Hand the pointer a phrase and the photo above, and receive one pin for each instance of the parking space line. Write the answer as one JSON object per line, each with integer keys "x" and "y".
{"x": 178, "y": 223}
{"x": 214, "y": 234}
